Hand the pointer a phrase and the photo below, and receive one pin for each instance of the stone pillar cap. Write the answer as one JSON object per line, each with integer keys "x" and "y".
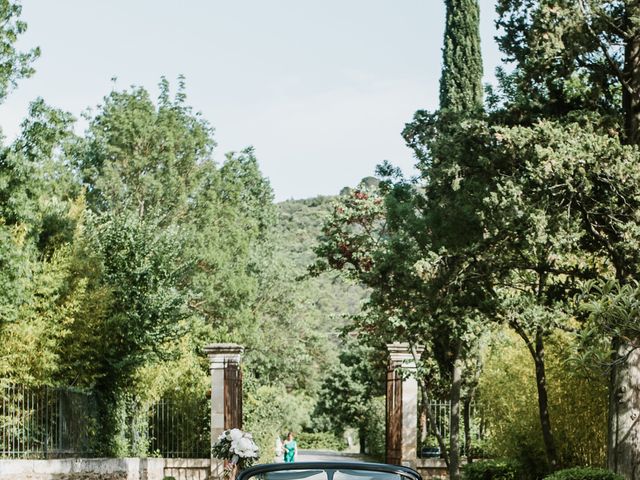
{"x": 404, "y": 347}
{"x": 401, "y": 353}
{"x": 222, "y": 354}
{"x": 223, "y": 348}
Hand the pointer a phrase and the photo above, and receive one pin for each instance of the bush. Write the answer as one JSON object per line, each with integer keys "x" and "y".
{"x": 320, "y": 441}
{"x": 374, "y": 428}
{"x": 491, "y": 470}
{"x": 584, "y": 473}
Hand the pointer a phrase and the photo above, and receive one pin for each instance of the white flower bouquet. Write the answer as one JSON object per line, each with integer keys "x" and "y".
{"x": 237, "y": 448}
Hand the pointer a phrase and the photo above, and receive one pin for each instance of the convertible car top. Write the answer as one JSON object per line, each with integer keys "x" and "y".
{"x": 328, "y": 471}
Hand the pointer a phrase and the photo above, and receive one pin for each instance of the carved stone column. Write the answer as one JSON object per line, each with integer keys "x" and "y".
{"x": 226, "y": 392}
{"x": 402, "y": 405}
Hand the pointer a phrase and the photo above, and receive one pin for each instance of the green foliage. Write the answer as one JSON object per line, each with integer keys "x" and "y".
{"x": 613, "y": 311}
{"x": 461, "y": 78}
{"x": 14, "y": 65}
{"x": 320, "y": 441}
{"x": 270, "y": 411}
{"x": 577, "y": 403}
{"x": 143, "y": 269}
{"x": 141, "y": 157}
{"x": 491, "y": 470}
{"x": 374, "y": 428}
{"x": 584, "y": 473}
{"x": 568, "y": 55}
{"x": 347, "y": 388}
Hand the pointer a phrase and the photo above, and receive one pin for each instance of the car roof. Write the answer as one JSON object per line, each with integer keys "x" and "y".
{"x": 378, "y": 467}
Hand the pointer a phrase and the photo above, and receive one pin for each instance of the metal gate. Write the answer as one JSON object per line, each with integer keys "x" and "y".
{"x": 393, "y": 452}
{"x": 232, "y": 395}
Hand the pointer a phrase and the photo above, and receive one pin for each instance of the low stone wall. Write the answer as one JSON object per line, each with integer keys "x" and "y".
{"x": 432, "y": 468}
{"x": 105, "y": 469}
{"x": 187, "y": 469}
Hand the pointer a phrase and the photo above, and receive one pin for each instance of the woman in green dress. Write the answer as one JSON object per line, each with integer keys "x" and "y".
{"x": 290, "y": 448}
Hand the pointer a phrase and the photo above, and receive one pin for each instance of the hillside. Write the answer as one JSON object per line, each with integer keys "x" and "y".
{"x": 329, "y": 295}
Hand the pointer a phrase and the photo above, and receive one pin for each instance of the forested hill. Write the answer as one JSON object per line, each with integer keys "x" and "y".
{"x": 300, "y": 224}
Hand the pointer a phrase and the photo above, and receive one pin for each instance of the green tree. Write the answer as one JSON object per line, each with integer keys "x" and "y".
{"x": 145, "y": 274}
{"x": 460, "y": 93}
{"x": 377, "y": 240}
{"x": 142, "y": 157}
{"x": 344, "y": 398}
{"x": 461, "y": 77}
{"x": 14, "y": 64}
{"x": 507, "y": 402}
{"x": 572, "y": 58}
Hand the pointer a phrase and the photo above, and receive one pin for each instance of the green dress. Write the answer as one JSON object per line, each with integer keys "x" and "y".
{"x": 289, "y": 450}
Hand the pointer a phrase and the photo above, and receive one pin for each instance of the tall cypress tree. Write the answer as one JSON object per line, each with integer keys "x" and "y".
{"x": 461, "y": 80}
{"x": 461, "y": 92}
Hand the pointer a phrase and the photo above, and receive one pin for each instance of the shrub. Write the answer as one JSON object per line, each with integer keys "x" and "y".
{"x": 320, "y": 440}
{"x": 374, "y": 428}
{"x": 584, "y": 473}
{"x": 491, "y": 470}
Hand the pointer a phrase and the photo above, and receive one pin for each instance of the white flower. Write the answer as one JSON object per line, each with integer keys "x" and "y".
{"x": 244, "y": 448}
{"x": 235, "y": 434}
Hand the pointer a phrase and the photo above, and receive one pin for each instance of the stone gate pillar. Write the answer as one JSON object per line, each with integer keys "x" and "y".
{"x": 226, "y": 392}
{"x": 402, "y": 405}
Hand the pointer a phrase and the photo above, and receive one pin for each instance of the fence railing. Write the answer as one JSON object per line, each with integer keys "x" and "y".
{"x": 44, "y": 422}
{"x": 48, "y": 422}
{"x": 180, "y": 430}
{"x": 441, "y": 411}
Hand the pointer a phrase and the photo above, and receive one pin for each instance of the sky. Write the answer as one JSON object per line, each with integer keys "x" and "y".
{"x": 320, "y": 88}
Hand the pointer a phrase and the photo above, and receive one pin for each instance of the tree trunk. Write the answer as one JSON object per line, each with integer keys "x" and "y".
{"x": 454, "y": 426}
{"x": 623, "y": 445}
{"x": 623, "y": 439}
{"x": 466, "y": 416}
{"x": 423, "y": 421}
{"x": 444, "y": 452}
{"x": 631, "y": 91}
{"x": 543, "y": 403}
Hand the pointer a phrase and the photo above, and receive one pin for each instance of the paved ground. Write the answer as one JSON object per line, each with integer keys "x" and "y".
{"x": 328, "y": 456}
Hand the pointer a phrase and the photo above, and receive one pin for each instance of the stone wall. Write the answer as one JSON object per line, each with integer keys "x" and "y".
{"x": 187, "y": 469}
{"x": 105, "y": 469}
{"x": 432, "y": 468}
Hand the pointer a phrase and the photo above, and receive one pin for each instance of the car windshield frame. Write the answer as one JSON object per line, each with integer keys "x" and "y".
{"x": 405, "y": 472}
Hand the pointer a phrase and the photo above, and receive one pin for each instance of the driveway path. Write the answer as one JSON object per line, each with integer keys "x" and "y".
{"x": 328, "y": 456}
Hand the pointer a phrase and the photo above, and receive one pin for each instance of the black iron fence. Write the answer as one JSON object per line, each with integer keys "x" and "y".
{"x": 441, "y": 412}
{"x": 44, "y": 422}
{"x": 48, "y": 422}
{"x": 180, "y": 429}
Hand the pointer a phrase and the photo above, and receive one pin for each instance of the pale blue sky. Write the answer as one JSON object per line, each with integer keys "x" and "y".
{"x": 320, "y": 88}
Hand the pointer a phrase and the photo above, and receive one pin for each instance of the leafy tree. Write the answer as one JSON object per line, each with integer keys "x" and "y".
{"x": 572, "y": 58}
{"x": 14, "y": 65}
{"x": 270, "y": 412}
{"x": 143, "y": 270}
{"x": 345, "y": 395}
{"x": 366, "y": 239}
{"x": 144, "y": 158}
{"x": 39, "y": 221}
{"x": 417, "y": 239}
{"x": 534, "y": 196}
